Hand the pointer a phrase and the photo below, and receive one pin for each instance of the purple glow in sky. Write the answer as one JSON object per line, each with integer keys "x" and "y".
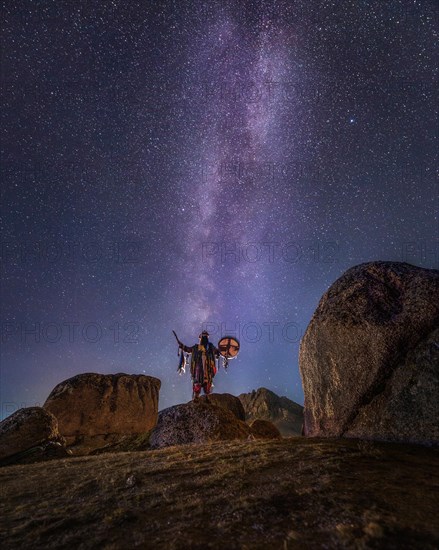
{"x": 172, "y": 165}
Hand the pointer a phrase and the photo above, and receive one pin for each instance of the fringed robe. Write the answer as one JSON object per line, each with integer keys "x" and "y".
{"x": 203, "y": 365}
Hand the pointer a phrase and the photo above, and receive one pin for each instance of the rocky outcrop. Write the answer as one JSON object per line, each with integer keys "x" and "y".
{"x": 408, "y": 409}
{"x": 281, "y": 494}
{"x": 264, "y": 429}
{"x": 96, "y": 410}
{"x": 227, "y": 401}
{"x": 369, "y": 359}
{"x": 196, "y": 422}
{"x": 263, "y": 404}
{"x": 28, "y": 435}
{"x": 122, "y": 444}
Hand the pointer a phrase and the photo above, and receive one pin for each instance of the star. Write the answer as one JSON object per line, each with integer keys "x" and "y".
{"x": 172, "y": 165}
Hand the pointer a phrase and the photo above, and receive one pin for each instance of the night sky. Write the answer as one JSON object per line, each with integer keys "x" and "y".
{"x": 185, "y": 165}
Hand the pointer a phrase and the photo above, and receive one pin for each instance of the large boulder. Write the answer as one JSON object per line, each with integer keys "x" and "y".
{"x": 226, "y": 401}
{"x": 263, "y": 404}
{"x": 369, "y": 359}
{"x": 196, "y": 422}
{"x": 264, "y": 429}
{"x": 29, "y": 434}
{"x": 96, "y": 410}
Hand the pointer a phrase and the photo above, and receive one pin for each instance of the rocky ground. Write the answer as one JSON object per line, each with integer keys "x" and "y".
{"x": 267, "y": 494}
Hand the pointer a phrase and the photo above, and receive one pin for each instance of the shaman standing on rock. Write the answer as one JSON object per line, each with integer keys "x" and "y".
{"x": 203, "y": 363}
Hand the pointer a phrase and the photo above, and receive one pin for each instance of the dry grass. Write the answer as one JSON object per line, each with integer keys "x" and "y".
{"x": 286, "y": 494}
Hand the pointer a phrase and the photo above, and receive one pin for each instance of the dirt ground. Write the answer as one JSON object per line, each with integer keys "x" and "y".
{"x": 267, "y": 494}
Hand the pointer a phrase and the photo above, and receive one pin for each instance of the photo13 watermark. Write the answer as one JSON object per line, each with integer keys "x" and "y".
{"x": 253, "y": 332}
{"x": 422, "y": 252}
{"x": 87, "y": 252}
{"x": 93, "y": 332}
{"x": 291, "y": 252}
{"x": 263, "y": 170}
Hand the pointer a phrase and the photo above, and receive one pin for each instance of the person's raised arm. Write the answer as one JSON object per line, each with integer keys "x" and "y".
{"x": 185, "y": 348}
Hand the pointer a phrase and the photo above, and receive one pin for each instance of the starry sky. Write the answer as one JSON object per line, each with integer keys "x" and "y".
{"x": 179, "y": 165}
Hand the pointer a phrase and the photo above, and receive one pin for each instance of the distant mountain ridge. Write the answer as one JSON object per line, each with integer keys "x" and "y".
{"x": 264, "y": 404}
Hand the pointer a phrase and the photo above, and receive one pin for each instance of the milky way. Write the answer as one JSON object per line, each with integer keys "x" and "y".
{"x": 179, "y": 165}
{"x": 235, "y": 84}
